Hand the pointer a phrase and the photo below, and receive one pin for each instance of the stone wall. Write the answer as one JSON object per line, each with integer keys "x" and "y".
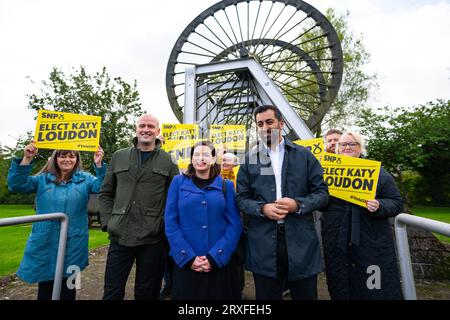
{"x": 430, "y": 257}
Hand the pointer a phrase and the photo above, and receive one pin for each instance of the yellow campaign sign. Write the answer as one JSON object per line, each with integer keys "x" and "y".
{"x": 314, "y": 145}
{"x": 67, "y": 131}
{"x": 351, "y": 179}
{"x": 228, "y": 137}
{"x": 178, "y": 141}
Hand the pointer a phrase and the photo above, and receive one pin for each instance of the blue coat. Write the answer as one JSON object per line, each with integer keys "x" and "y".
{"x": 201, "y": 221}
{"x": 39, "y": 260}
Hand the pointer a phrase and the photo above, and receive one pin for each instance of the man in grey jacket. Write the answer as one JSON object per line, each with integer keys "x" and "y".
{"x": 132, "y": 201}
{"x": 278, "y": 187}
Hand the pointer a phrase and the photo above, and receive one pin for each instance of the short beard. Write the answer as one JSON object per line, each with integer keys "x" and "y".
{"x": 273, "y": 136}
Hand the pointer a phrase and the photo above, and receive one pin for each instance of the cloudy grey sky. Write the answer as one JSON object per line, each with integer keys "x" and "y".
{"x": 408, "y": 41}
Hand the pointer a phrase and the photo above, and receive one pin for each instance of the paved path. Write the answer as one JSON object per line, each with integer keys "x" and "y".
{"x": 92, "y": 285}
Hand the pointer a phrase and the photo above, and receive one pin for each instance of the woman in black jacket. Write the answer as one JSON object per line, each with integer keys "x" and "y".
{"x": 358, "y": 244}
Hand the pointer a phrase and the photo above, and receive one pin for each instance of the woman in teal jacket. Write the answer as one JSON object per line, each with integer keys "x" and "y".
{"x": 61, "y": 186}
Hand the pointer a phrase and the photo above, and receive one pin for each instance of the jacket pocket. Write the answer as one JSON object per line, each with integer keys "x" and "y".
{"x": 161, "y": 171}
{"x": 116, "y": 220}
{"x": 153, "y": 221}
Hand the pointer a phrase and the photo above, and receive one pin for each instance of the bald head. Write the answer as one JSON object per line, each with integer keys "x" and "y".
{"x": 147, "y": 116}
{"x": 147, "y": 129}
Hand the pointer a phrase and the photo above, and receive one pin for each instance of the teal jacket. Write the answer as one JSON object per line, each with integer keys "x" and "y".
{"x": 133, "y": 196}
{"x": 39, "y": 259}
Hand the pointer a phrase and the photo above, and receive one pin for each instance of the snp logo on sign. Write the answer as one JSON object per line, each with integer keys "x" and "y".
{"x": 374, "y": 280}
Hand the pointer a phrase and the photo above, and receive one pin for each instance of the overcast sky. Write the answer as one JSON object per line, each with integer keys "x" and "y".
{"x": 408, "y": 41}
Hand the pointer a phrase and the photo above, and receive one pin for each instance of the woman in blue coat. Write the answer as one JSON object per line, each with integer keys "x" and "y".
{"x": 61, "y": 186}
{"x": 203, "y": 227}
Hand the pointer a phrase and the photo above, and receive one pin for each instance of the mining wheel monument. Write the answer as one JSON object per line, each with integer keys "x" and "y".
{"x": 237, "y": 55}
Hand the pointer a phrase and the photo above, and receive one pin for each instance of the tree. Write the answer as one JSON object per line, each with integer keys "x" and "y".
{"x": 4, "y": 162}
{"x": 6, "y": 154}
{"x": 116, "y": 101}
{"x": 412, "y": 139}
{"x": 356, "y": 82}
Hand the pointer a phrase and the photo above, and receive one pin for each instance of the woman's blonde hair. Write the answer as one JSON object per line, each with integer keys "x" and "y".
{"x": 234, "y": 158}
{"x": 358, "y": 138}
{"x": 52, "y": 165}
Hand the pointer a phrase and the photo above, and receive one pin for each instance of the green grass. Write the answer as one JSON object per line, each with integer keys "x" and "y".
{"x": 13, "y": 238}
{"x": 436, "y": 213}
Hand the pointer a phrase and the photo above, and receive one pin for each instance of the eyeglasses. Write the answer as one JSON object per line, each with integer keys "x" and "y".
{"x": 344, "y": 145}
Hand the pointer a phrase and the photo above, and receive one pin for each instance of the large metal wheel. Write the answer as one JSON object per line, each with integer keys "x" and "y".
{"x": 294, "y": 43}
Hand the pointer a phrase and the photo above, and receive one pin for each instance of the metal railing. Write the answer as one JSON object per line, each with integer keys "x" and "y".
{"x": 404, "y": 256}
{"x": 56, "y": 294}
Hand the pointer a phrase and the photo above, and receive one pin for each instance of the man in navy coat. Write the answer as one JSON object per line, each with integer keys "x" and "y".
{"x": 278, "y": 187}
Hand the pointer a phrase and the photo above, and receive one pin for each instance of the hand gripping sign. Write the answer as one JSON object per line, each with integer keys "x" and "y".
{"x": 351, "y": 179}
{"x": 67, "y": 131}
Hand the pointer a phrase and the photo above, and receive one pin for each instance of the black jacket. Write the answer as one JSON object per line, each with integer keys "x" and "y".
{"x": 354, "y": 239}
{"x": 302, "y": 180}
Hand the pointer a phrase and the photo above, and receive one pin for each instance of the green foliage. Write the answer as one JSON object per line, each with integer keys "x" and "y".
{"x": 415, "y": 188}
{"x": 4, "y": 165}
{"x": 6, "y": 154}
{"x": 416, "y": 139}
{"x": 356, "y": 82}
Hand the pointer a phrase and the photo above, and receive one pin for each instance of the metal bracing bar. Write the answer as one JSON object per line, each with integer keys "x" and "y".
{"x": 202, "y": 109}
{"x": 224, "y": 86}
{"x": 190, "y": 91}
{"x": 239, "y": 100}
{"x": 236, "y": 111}
{"x": 268, "y": 86}
{"x": 404, "y": 256}
{"x": 59, "y": 271}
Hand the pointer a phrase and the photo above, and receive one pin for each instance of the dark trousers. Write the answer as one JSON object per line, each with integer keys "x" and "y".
{"x": 149, "y": 271}
{"x": 268, "y": 288}
{"x": 45, "y": 290}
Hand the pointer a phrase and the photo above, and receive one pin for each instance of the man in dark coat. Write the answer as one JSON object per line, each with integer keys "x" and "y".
{"x": 358, "y": 244}
{"x": 278, "y": 187}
